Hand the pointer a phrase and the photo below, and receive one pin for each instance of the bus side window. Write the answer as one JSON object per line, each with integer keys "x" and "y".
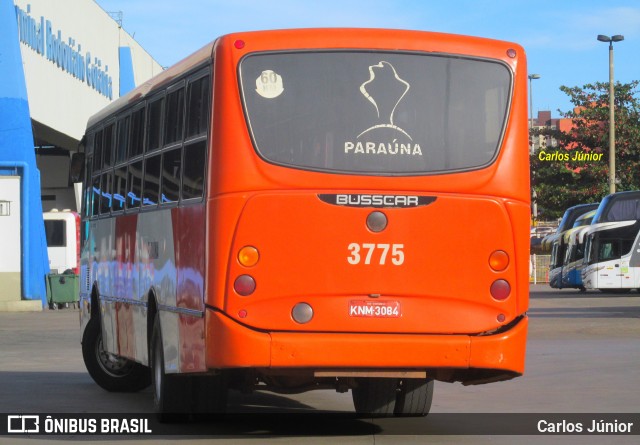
{"x": 198, "y": 105}
{"x": 625, "y": 246}
{"x": 151, "y": 187}
{"x": 119, "y": 188}
{"x": 136, "y": 145}
{"x": 171, "y": 166}
{"x": 174, "y": 117}
{"x": 95, "y": 196}
{"x": 122, "y": 140}
{"x": 107, "y": 192}
{"x": 134, "y": 184}
{"x": 88, "y": 190}
{"x": 194, "y": 170}
{"x": 155, "y": 124}
{"x": 97, "y": 152}
{"x": 107, "y": 147}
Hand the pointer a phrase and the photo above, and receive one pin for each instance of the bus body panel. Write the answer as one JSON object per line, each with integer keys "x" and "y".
{"x": 520, "y": 216}
{"x": 555, "y": 278}
{"x": 324, "y": 255}
{"x": 151, "y": 252}
{"x": 234, "y": 345}
{"x": 609, "y": 276}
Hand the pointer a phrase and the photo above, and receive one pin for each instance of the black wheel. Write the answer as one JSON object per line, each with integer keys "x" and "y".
{"x": 375, "y": 396}
{"x": 615, "y": 291}
{"x": 110, "y": 372}
{"x": 414, "y": 397}
{"x": 210, "y": 394}
{"x": 167, "y": 389}
{"x": 177, "y": 397}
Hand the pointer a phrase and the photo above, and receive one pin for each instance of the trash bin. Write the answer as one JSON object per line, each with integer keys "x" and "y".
{"x": 62, "y": 289}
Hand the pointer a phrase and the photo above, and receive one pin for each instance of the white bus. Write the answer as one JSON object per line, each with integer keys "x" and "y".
{"x": 612, "y": 253}
{"x": 574, "y": 257}
{"x": 62, "y": 229}
{"x": 558, "y": 243}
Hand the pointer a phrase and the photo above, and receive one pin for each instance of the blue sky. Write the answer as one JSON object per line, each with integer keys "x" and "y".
{"x": 559, "y": 36}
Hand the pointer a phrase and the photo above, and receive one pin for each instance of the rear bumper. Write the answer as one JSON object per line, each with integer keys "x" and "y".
{"x": 232, "y": 345}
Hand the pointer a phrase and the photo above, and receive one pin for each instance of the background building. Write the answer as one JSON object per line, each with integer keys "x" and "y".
{"x": 544, "y": 121}
{"x": 60, "y": 62}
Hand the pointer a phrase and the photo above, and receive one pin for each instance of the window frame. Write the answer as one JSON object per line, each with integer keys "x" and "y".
{"x": 142, "y": 108}
{"x": 173, "y": 89}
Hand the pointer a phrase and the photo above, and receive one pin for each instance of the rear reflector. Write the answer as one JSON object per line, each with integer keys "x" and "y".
{"x": 302, "y": 313}
{"x": 500, "y": 290}
{"x": 244, "y": 285}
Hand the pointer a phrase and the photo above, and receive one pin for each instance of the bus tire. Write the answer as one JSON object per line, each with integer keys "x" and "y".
{"x": 615, "y": 291}
{"x": 414, "y": 397}
{"x": 113, "y": 374}
{"x": 210, "y": 393}
{"x": 375, "y": 397}
{"x": 171, "y": 399}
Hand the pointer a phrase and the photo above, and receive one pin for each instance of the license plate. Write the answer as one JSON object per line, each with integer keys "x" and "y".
{"x": 374, "y": 309}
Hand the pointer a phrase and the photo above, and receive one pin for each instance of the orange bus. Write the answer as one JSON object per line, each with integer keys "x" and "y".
{"x": 306, "y": 209}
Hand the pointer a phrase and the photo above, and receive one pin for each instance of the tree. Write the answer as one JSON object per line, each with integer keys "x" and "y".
{"x": 578, "y": 171}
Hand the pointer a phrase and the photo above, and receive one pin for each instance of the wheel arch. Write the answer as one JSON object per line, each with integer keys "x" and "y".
{"x": 95, "y": 301}
{"x": 152, "y": 311}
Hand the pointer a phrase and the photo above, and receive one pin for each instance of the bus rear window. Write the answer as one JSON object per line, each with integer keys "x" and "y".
{"x": 56, "y": 232}
{"x": 375, "y": 113}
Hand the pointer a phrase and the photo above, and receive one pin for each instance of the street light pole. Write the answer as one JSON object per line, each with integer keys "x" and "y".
{"x": 534, "y": 195}
{"x": 612, "y": 127}
{"x": 531, "y": 78}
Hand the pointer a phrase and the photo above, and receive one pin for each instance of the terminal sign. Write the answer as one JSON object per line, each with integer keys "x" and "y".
{"x": 40, "y": 37}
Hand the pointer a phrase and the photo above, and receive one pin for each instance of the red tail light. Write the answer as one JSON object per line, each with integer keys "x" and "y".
{"x": 500, "y": 290}
{"x": 244, "y": 285}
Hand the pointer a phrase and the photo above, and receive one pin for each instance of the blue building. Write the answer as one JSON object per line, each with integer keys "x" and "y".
{"x": 60, "y": 62}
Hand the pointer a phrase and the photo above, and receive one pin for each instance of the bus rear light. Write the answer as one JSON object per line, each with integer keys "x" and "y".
{"x": 512, "y": 53}
{"x": 499, "y": 260}
{"x": 244, "y": 285}
{"x": 500, "y": 290}
{"x": 248, "y": 256}
{"x": 501, "y": 318}
{"x": 239, "y": 44}
{"x": 302, "y": 313}
{"x": 377, "y": 221}
{"x": 242, "y": 313}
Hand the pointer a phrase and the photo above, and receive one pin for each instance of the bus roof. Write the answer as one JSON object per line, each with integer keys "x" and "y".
{"x": 621, "y": 206}
{"x": 582, "y": 222}
{"x": 584, "y": 219}
{"x": 572, "y": 213}
{"x": 609, "y": 225}
{"x": 140, "y": 92}
{"x": 308, "y": 38}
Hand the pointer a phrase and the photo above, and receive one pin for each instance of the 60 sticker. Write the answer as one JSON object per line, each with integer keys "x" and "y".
{"x": 370, "y": 253}
{"x": 269, "y": 84}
